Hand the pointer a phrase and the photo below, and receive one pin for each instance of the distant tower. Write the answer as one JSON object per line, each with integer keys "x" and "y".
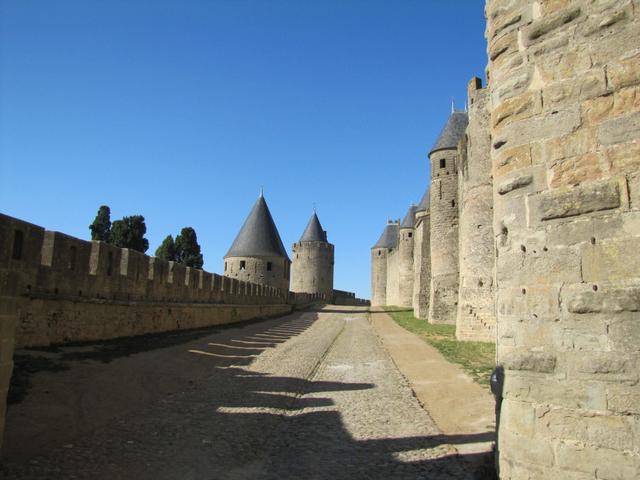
{"x": 379, "y": 252}
{"x": 257, "y": 254}
{"x": 312, "y": 267}
{"x": 422, "y": 258}
{"x": 405, "y": 258}
{"x": 444, "y": 221}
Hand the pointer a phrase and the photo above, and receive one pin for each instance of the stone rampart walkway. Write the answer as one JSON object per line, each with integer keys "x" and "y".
{"x": 313, "y": 395}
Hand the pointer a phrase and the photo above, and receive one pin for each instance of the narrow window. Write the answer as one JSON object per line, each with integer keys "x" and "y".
{"x": 379, "y": 253}
{"x": 443, "y": 163}
{"x": 18, "y": 240}
{"x": 453, "y": 203}
{"x": 410, "y": 234}
{"x": 72, "y": 258}
{"x": 269, "y": 266}
{"x": 225, "y": 266}
{"x": 243, "y": 264}
{"x": 109, "y": 263}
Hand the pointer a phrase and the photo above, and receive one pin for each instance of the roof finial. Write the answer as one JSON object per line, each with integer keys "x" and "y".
{"x": 314, "y": 207}
{"x": 453, "y": 106}
{"x": 261, "y": 190}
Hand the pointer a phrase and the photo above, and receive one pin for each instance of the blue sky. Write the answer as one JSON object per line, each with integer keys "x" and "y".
{"x": 181, "y": 110}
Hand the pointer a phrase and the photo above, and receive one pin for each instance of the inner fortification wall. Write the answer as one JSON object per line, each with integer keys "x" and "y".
{"x": 565, "y": 90}
{"x": 393, "y": 276}
{"x": 405, "y": 267}
{"x": 379, "y": 276}
{"x": 476, "y": 320}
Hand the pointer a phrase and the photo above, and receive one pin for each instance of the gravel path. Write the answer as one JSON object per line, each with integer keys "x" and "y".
{"x": 311, "y": 395}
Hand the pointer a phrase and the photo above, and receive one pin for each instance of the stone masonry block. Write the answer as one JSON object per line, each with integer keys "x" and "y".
{"x": 577, "y": 394}
{"x": 624, "y": 72}
{"x": 606, "y": 463}
{"x": 549, "y": 23}
{"x": 620, "y": 130}
{"x": 530, "y": 361}
{"x": 604, "y": 366}
{"x": 624, "y": 398}
{"x": 538, "y": 451}
{"x": 610, "y": 300}
{"x": 612, "y": 260}
{"x": 570, "y": 202}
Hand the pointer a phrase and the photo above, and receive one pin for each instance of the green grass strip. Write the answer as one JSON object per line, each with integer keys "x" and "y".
{"x": 477, "y": 358}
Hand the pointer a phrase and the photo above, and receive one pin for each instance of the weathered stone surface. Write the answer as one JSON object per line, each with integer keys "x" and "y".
{"x": 514, "y": 183}
{"x": 530, "y": 361}
{"x": 620, "y": 130}
{"x": 611, "y": 261}
{"x": 587, "y": 198}
{"x": 613, "y": 300}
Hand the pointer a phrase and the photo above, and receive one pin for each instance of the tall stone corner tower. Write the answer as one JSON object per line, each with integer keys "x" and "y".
{"x": 444, "y": 220}
{"x": 405, "y": 258}
{"x": 312, "y": 267}
{"x": 257, "y": 254}
{"x": 379, "y": 253}
{"x": 422, "y": 258}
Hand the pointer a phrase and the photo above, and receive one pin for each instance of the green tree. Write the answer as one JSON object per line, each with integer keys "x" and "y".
{"x": 167, "y": 249}
{"x": 101, "y": 226}
{"x": 187, "y": 248}
{"x": 129, "y": 233}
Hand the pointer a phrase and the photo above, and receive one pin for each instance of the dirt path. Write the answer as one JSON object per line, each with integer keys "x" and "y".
{"x": 310, "y": 395}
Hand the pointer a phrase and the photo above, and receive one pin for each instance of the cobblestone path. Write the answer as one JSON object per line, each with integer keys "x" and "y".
{"x": 309, "y": 396}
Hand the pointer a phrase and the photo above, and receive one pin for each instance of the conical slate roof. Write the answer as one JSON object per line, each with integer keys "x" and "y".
{"x": 314, "y": 231}
{"x": 425, "y": 202}
{"x": 452, "y": 131}
{"x": 389, "y": 237}
{"x": 258, "y": 236}
{"x": 410, "y": 218}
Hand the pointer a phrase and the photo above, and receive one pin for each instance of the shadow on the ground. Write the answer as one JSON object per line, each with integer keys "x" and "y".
{"x": 235, "y": 423}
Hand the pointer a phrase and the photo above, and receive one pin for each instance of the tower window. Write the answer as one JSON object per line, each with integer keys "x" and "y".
{"x": 443, "y": 163}
{"x": 410, "y": 234}
{"x": 243, "y": 264}
{"x": 269, "y": 266}
{"x": 453, "y": 203}
{"x": 18, "y": 240}
{"x": 225, "y": 266}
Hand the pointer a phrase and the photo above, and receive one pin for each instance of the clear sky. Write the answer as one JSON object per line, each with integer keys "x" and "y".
{"x": 181, "y": 110}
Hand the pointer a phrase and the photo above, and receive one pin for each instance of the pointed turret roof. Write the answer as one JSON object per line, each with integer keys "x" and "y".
{"x": 389, "y": 237}
{"x": 425, "y": 202}
{"x": 410, "y": 218}
{"x": 452, "y": 132}
{"x": 314, "y": 231}
{"x": 258, "y": 236}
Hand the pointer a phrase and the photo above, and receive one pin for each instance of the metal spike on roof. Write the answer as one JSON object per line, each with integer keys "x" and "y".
{"x": 452, "y": 132}
{"x": 389, "y": 237}
{"x": 314, "y": 231}
{"x": 259, "y": 235}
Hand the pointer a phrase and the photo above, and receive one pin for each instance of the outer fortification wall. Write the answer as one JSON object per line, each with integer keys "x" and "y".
{"x": 422, "y": 265}
{"x": 565, "y": 90}
{"x": 443, "y": 303}
{"x": 405, "y": 267}
{"x": 393, "y": 276}
{"x": 476, "y": 318}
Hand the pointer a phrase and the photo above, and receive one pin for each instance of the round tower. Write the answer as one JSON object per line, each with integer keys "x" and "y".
{"x": 405, "y": 258}
{"x": 379, "y": 253}
{"x": 312, "y": 267}
{"x": 422, "y": 258}
{"x": 444, "y": 221}
{"x": 257, "y": 254}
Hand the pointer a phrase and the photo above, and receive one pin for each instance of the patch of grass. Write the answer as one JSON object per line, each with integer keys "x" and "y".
{"x": 477, "y": 358}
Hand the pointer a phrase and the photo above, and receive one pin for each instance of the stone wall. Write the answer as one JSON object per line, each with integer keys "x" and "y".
{"x": 565, "y": 128}
{"x": 422, "y": 265}
{"x": 443, "y": 302}
{"x": 340, "y": 297}
{"x": 312, "y": 267}
{"x": 393, "y": 276}
{"x": 266, "y": 271}
{"x": 379, "y": 276}
{"x": 476, "y": 318}
{"x": 405, "y": 266}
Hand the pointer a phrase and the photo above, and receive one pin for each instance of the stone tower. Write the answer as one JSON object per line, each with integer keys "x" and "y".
{"x": 405, "y": 258}
{"x": 422, "y": 258}
{"x": 312, "y": 267}
{"x": 476, "y": 307}
{"x": 379, "y": 253}
{"x": 257, "y": 254}
{"x": 444, "y": 221}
